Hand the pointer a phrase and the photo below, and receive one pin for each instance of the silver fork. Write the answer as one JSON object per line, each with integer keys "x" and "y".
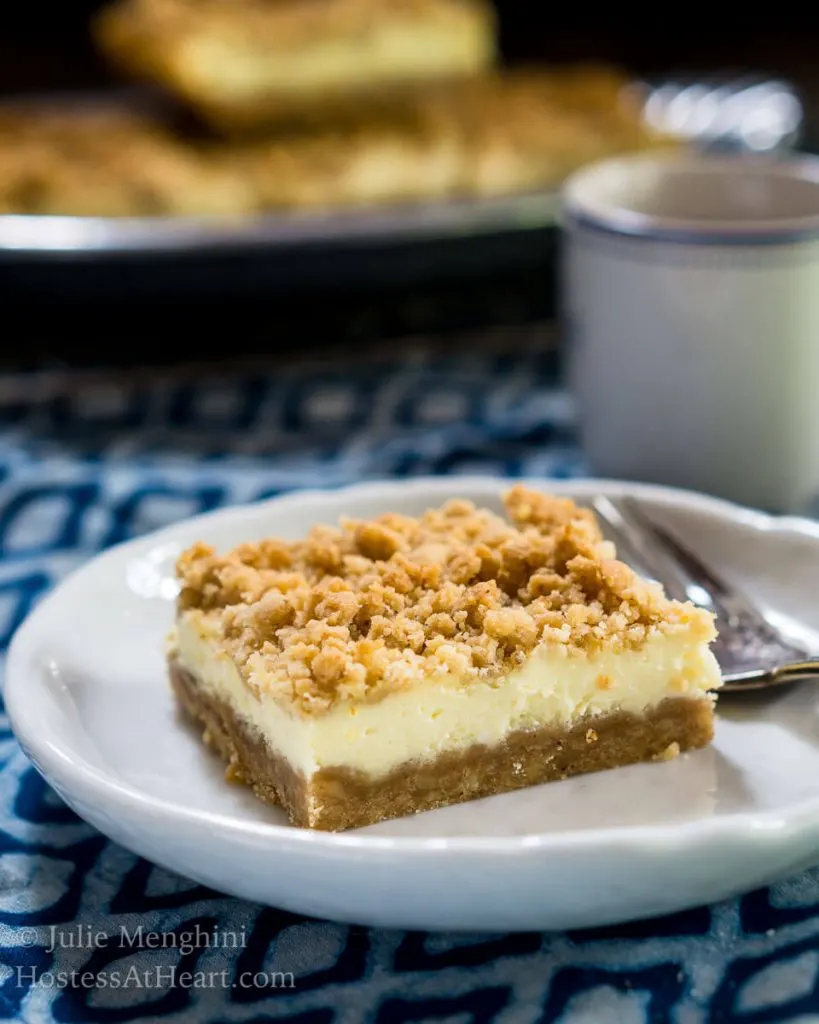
{"x": 752, "y": 653}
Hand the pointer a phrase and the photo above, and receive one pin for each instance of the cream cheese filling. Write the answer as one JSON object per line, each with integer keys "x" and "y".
{"x": 395, "y": 52}
{"x": 554, "y": 687}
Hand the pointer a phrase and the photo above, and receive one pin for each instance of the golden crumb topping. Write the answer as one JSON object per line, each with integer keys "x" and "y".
{"x": 356, "y": 611}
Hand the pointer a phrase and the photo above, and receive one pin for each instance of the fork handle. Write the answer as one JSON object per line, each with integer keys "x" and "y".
{"x": 797, "y": 670}
{"x": 762, "y": 679}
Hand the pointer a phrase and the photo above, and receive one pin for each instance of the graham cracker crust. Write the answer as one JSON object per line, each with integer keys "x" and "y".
{"x": 335, "y": 799}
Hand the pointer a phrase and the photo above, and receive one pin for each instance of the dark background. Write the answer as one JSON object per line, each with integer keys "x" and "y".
{"x": 100, "y": 310}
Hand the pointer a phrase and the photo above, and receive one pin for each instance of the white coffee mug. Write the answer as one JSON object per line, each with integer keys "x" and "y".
{"x": 691, "y": 307}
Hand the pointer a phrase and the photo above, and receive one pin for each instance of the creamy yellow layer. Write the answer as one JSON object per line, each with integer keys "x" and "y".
{"x": 554, "y": 687}
{"x": 395, "y": 52}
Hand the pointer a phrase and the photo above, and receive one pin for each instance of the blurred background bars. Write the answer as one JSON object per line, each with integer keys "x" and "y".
{"x": 750, "y": 82}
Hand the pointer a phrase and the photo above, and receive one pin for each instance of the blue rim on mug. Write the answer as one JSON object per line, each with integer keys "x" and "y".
{"x": 596, "y": 199}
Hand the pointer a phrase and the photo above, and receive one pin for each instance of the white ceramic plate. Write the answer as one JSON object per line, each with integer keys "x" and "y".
{"x": 88, "y": 700}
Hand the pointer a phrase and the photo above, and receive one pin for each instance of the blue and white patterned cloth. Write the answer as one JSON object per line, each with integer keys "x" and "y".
{"x": 88, "y": 460}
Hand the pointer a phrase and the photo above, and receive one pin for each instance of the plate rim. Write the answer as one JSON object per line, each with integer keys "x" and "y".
{"x": 77, "y": 776}
{"x": 66, "y": 237}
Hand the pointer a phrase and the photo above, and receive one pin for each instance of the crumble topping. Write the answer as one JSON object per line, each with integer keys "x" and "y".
{"x": 359, "y": 610}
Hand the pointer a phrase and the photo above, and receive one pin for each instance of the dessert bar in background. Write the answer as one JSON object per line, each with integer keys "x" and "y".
{"x": 386, "y": 667}
{"x": 501, "y": 134}
{"x": 242, "y": 63}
